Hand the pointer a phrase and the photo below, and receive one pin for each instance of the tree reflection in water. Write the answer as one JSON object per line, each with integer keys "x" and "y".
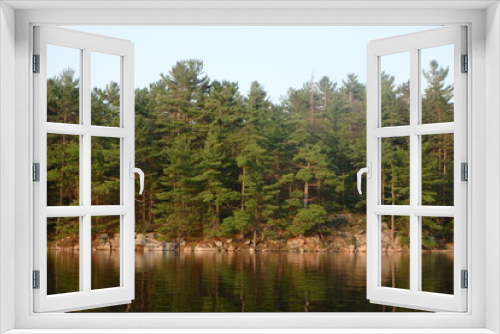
{"x": 246, "y": 282}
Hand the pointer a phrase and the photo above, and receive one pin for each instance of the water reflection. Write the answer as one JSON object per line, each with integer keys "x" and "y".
{"x": 248, "y": 282}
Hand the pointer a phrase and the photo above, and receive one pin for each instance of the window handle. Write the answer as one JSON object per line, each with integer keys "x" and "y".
{"x": 139, "y": 171}
{"x": 368, "y": 171}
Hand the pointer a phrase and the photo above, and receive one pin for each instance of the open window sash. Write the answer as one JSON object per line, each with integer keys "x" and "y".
{"x": 415, "y": 297}
{"x": 84, "y": 297}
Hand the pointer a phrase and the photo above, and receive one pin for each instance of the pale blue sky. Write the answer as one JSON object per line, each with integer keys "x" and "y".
{"x": 277, "y": 57}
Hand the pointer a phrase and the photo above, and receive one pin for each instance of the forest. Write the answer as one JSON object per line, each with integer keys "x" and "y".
{"x": 223, "y": 163}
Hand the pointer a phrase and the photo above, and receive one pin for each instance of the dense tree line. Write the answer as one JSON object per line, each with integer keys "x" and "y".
{"x": 219, "y": 162}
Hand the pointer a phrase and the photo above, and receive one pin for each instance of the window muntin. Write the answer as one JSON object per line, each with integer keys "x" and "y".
{"x": 73, "y": 140}
{"x": 449, "y": 140}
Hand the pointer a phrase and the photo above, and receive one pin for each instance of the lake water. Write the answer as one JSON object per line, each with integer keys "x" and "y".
{"x": 247, "y": 282}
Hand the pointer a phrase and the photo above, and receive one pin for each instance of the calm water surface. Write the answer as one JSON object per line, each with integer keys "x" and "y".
{"x": 247, "y": 282}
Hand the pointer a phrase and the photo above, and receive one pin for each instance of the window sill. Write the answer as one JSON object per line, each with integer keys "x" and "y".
{"x": 251, "y": 331}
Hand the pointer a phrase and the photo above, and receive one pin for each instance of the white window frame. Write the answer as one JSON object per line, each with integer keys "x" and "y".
{"x": 413, "y": 43}
{"x": 484, "y": 103}
{"x": 86, "y": 44}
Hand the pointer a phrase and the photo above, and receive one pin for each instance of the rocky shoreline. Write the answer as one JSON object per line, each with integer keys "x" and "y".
{"x": 349, "y": 236}
{"x": 344, "y": 242}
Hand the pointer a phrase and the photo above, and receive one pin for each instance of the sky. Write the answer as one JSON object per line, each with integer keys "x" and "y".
{"x": 277, "y": 57}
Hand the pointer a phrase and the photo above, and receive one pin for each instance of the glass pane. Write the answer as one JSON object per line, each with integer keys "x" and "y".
{"x": 105, "y": 74}
{"x": 105, "y": 260}
{"x": 63, "y": 84}
{"x": 437, "y": 84}
{"x": 437, "y": 254}
{"x": 395, "y": 83}
{"x": 395, "y": 170}
{"x": 63, "y": 170}
{"x": 105, "y": 171}
{"x": 437, "y": 170}
{"x": 395, "y": 252}
{"x": 63, "y": 256}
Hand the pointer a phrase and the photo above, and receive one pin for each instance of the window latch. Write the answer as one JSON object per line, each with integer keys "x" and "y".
{"x": 134, "y": 170}
{"x": 368, "y": 171}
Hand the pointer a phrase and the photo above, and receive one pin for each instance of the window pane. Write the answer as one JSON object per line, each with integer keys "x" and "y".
{"x": 105, "y": 76}
{"x": 395, "y": 170}
{"x": 63, "y": 170}
{"x": 437, "y": 170}
{"x": 105, "y": 258}
{"x": 437, "y": 254}
{"x": 63, "y": 256}
{"x": 437, "y": 84}
{"x": 105, "y": 171}
{"x": 63, "y": 84}
{"x": 395, "y": 92}
{"x": 395, "y": 255}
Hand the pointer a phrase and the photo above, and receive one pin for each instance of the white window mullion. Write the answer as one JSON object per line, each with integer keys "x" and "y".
{"x": 396, "y": 131}
{"x": 433, "y": 129}
{"x": 373, "y": 183}
{"x": 415, "y": 253}
{"x": 81, "y": 227}
{"x": 86, "y": 166}
{"x": 128, "y": 183}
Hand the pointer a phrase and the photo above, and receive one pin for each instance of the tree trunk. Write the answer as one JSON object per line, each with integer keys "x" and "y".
{"x": 393, "y": 197}
{"x": 306, "y": 193}
{"x": 243, "y": 189}
{"x": 306, "y": 188}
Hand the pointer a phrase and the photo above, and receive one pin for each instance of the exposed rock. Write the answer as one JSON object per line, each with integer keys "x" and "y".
{"x": 102, "y": 246}
{"x": 115, "y": 242}
{"x": 140, "y": 239}
{"x": 204, "y": 247}
{"x": 152, "y": 235}
{"x": 295, "y": 243}
{"x": 247, "y": 242}
{"x": 103, "y": 236}
{"x": 313, "y": 241}
{"x": 169, "y": 246}
{"x": 275, "y": 244}
{"x": 228, "y": 241}
{"x": 150, "y": 246}
{"x": 218, "y": 244}
{"x": 230, "y": 248}
{"x": 361, "y": 248}
{"x": 188, "y": 248}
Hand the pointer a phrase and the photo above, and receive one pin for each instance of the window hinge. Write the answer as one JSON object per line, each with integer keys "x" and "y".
{"x": 36, "y": 279}
{"x": 36, "y": 172}
{"x": 465, "y": 279}
{"x": 464, "y": 171}
{"x": 36, "y": 63}
{"x": 465, "y": 64}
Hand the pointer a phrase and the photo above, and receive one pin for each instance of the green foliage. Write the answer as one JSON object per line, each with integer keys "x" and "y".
{"x": 307, "y": 219}
{"x": 237, "y": 223}
{"x": 220, "y": 163}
